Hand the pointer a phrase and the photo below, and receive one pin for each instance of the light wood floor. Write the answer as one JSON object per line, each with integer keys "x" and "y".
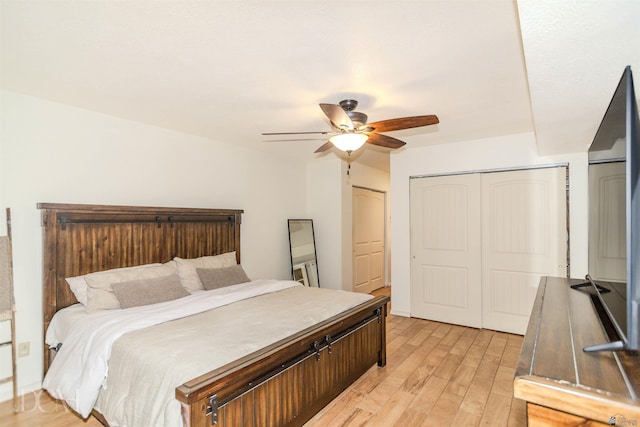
{"x": 436, "y": 375}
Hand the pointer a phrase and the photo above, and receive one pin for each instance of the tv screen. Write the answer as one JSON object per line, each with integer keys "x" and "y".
{"x": 614, "y": 219}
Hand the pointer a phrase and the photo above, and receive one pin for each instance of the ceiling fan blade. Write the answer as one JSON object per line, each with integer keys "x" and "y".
{"x": 337, "y": 116}
{"x": 384, "y": 141}
{"x": 295, "y": 133}
{"x": 403, "y": 123}
{"x": 324, "y": 147}
{"x": 288, "y": 139}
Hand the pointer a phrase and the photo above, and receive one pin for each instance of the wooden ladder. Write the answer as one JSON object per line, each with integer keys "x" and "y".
{"x": 7, "y": 305}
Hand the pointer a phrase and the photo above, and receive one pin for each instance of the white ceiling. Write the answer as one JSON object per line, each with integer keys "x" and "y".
{"x": 230, "y": 70}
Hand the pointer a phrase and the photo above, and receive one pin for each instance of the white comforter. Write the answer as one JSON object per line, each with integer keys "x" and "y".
{"x": 80, "y": 367}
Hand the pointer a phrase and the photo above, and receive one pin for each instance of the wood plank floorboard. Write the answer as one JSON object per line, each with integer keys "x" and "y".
{"x": 436, "y": 375}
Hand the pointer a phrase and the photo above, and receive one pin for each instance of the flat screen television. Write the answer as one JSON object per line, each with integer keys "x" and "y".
{"x": 614, "y": 220}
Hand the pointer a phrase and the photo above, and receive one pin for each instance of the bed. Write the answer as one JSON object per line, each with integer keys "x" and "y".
{"x": 284, "y": 382}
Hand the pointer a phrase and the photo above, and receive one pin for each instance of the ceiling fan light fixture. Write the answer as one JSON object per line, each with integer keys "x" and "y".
{"x": 349, "y": 141}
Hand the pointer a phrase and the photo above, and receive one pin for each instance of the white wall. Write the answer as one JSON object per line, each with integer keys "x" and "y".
{"x": 510, "y": 151}
{"x": 330, "y": 200}
{"x": 325, "y": 202}
{"x": 56, "y": 153}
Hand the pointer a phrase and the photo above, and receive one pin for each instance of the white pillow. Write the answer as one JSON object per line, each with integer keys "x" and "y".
{"x": 187, "y": 268}
{"x": 100, "y": 294}
{"x": 79, "y": 288}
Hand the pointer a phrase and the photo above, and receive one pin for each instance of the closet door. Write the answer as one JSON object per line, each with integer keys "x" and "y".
{"x": 607, "y": 222}
{"x": 368, "y": 240}
{"x": 445, "y": 249}
{"x": 524, "y": 237}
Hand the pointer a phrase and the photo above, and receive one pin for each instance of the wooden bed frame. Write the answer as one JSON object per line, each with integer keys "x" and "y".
{"x": 284, "y": 384}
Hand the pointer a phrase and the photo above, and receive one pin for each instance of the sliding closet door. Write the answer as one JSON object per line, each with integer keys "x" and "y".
{"x": 524, "y": 237}
{"x": 445, "y": 248}
{"x": 481, "y": 242}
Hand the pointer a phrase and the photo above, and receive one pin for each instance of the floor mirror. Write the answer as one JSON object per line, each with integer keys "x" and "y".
{"x": 302, "y": 245}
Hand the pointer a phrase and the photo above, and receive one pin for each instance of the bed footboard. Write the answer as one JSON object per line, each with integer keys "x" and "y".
{"x": 288, "y": 382}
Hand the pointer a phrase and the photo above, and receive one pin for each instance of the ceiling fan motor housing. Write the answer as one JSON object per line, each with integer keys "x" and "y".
{"x": 349, "y": 105}
{"x": 357, "y": 118}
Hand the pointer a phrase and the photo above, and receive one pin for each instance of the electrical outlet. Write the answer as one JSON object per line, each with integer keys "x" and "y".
{"x": 23, "y": 349}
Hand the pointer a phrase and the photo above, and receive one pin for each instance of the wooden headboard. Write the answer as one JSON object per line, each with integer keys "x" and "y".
{"x": 81, "y": 239}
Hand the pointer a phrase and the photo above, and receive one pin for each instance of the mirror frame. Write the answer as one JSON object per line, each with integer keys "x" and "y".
{"x": 305, "y": 276}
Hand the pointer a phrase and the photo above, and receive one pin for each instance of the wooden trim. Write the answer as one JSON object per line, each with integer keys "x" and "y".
{"x": 566, "y": 398}
{"x": 540, "y": 416}
{"x": 123, "y": 210}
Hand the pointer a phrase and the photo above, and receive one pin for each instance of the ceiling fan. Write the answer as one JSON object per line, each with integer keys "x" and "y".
{"x": 351, "y": 130}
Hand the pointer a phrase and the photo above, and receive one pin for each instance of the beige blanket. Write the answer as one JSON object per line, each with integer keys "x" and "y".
{"x": 147, "y": 365}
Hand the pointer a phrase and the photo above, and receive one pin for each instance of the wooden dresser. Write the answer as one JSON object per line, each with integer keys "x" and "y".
{"x": 562, "y": 384}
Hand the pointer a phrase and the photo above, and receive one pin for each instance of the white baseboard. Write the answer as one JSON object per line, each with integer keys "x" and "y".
{"x": 400, "y": 313}
{"x": 6, "y": 393}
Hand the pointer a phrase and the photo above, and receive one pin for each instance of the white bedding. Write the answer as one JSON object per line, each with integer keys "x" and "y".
{"x": 80, "y": 366}
{"x": 63, "y": 322}
{"x": 133, "y": 394}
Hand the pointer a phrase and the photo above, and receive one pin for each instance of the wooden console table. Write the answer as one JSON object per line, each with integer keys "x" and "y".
{"x": 562, "y": 384}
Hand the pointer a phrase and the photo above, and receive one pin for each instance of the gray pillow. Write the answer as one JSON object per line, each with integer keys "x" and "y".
{"x": 187, "y": 268}
{"x": 139, "y": 292}
{"x": 214, "y": 278}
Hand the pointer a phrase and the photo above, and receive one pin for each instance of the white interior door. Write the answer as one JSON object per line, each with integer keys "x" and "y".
{"x": 445, "y": 249}
{"x": 524, "y": 237}
{"x": 368, "y": 239}
{"x": 607, "y": 222}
